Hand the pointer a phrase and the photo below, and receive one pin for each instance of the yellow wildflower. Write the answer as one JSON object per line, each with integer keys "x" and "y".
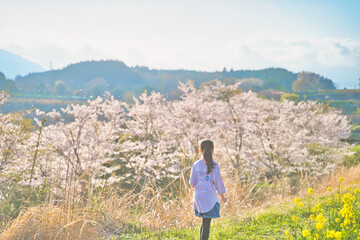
{"x": 310, "y": 191}
{"x": 312, "y": 217}
{"x": 347, "y": 198}
{"x": 300, "y": 204}
{"x": 317, "y": 208}
{"x": 305, "y": 233}
{"x": 329, "y": 189}
{"x": 294, "y": 218}
{"x": 330, "y": 234}
{"x": 320, "y": 218}
{"x": 338, "y": 235}
{"x": 296, "y": 200}
{"x": 337, "y": 220}
{"x": 319, "y": 226}
{"x": 341, "y": 179}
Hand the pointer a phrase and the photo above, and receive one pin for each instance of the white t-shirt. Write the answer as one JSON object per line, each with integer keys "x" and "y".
{"x": 206, "y": 185}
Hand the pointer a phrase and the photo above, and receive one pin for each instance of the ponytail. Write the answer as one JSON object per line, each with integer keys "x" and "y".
{"x": 207, "y": 147}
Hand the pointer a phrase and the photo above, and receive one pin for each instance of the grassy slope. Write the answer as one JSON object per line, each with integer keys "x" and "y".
{"x": 269, "y": 222}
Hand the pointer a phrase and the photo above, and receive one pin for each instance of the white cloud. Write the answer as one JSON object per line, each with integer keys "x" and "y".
{"x": 326, "y": 52}
{"x": 320, "y": 56}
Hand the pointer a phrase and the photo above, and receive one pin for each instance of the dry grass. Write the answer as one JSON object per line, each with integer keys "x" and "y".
{"x": 47, "y": 223}
{"x": 350, "y": 176}
{"x": 112, "y": 214}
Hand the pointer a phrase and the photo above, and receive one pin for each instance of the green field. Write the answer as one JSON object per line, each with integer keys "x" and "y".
{"x": 310, "y": 217}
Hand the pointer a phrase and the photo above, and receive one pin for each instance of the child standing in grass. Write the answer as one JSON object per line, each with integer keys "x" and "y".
{"x": 206, "y": 179}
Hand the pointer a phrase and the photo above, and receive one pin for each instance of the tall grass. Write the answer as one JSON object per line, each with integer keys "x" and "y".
{"x": 112, "y": 211}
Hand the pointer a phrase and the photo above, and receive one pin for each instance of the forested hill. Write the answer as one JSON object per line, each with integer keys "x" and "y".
{"x": 94, "y": 77}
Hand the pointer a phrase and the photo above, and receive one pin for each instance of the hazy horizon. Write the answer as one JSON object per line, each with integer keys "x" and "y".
{"x": 321, "y": 36}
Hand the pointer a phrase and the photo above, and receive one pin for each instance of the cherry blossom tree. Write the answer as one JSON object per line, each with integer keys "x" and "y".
{"x": 107, "y": 141}
{"x": 149, "y": 148}
{"x": 15, "y": 138}
{"x": 81, "y": 141}
{"x": 271, "y": 138}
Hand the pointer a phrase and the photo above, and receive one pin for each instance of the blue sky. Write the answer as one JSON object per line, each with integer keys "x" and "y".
{"x": 321, "y": 36}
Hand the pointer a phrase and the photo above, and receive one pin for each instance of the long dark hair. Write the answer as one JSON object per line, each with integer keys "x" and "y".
{"x": 206, "y": 147}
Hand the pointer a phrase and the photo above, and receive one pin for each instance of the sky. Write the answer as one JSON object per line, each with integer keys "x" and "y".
{"x": 321, "y": 36}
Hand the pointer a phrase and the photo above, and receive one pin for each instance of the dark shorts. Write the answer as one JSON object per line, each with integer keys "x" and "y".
{"x": 213, "y": 213}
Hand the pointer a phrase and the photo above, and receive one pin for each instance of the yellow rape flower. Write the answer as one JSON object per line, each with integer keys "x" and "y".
{"x": 329, "y": 189}
{"x": 310, "y": 191}
{"x": 300, "y": 204}
{"x": 305, "y": 233}
{"x": 319, "y": 226}
{"x": 347, "y": 198}
{"x": 317, "y": 208}
{"x": 320, "y": 218}
{"x": 330, "y": 234}
{"x": 337, "y": 220}
{"x": 312, "y": 217}
{"x": 287, "y": 234}
{"x": 338, "y": 235}
{"x": 341, "y": 179}
{"x": 296, "y": 200}
{"x": 347, "y": 222}
{"x": 294, "y": 218}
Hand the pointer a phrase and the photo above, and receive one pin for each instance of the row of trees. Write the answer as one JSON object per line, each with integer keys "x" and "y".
{"x": 311, "y": 81}
{"x": 93, "y": 78}
{"x": 6, "y": 84}
{"x": 107, "y": 141}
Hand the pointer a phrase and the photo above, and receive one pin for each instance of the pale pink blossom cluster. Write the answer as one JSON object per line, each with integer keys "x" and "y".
{"x": 107, "y": 141}
{"x": 16, "y": 145}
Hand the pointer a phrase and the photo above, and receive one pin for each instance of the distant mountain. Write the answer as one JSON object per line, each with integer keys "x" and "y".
{"x": 83, "y": 79}
{"x": 93, "y": 78}
{"x": 12, "y": 65}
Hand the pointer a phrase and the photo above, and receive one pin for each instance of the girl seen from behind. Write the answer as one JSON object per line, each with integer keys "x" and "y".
{"x": 207, "y": 182}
